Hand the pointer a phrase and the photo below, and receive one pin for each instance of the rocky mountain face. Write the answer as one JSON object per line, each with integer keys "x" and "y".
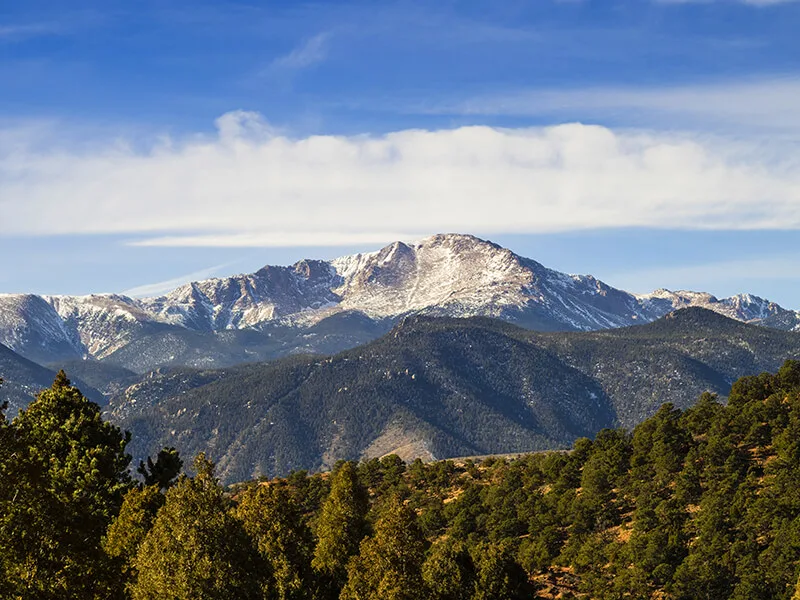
{"x": 439, "y": 387}
{"x": 444, "y": 275}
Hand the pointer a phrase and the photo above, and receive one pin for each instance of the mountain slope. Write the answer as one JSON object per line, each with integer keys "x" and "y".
{"x": 439, "y": 387}
{"x": 30, "y": 326}
{"x": 431, "y": 390}
{"x": 23, "y": 379}
{"x": 672, "y": 359}
{"x": 742, "y": 307}
{"x": 445, "y": 275}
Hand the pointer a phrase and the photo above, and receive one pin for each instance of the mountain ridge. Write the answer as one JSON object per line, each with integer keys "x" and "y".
{"x": 453, "y": 275}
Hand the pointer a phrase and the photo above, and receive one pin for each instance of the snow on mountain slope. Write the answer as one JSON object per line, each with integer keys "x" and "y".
{"x": 742, "y": 307}
{"x": 269, "y": 294}
{"x": 31, "y": 327}
{"x": 460, "y": 275}
{"x": 102, "y": 322}
{"x": 464, "y": 273}
{"x": 446, "y": 274}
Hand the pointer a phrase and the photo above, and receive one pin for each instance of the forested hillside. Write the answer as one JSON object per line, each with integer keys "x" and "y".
{"x": 701, "y": 503}
{"x": 439, "y": 388}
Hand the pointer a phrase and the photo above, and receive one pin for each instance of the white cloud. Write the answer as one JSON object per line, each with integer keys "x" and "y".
{"x": 251, "y": 186}
{"x": 313, "y": 51}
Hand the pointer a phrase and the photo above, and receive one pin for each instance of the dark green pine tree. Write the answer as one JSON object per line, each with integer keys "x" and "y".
{"x": 448, "y": 571}
{"x": 196, "y": 549}
{"x": 164, "y": 471}
{"x": 388, "y": 566}
{"x": 7, "y": 449}
{"x": 340, "y": 528}
{"x": 498, "y": 575}
{"x": 273, "y": 521}
{"x": 128, "y": 530}
{"x": 62, "y": 486}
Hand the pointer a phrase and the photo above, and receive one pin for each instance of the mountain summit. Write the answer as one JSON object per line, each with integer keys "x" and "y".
{"x": 443, "y": 275}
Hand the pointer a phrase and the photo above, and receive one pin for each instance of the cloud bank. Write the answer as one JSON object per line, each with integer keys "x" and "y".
{"x": 250, "y": 186}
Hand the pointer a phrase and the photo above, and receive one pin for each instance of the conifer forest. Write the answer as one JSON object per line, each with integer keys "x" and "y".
{"x": 701, "y": 503}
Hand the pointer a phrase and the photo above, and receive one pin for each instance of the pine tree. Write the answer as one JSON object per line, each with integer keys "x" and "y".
{"x": 164, "y": 471}
{"x": 498, "y": 576}
{"x": 448, "y": 571}
{"x": 63, "y": 484}
{"x": 272, "y": 520}
{"x": 341, "y": 527}
{"x": 196, "y": 550}
{"x": 7, "y": 449}
{"x": 128, "y": 530}
{"x": 388, "y": 566}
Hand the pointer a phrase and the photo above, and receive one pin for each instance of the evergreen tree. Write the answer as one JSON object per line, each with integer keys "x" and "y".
{"x": 130, "y": 527}
{"x": 63, "y": 484}
{"x": 272, "y": 520}
{"x": 196, "y": 549}
{"x": 388, "y": 566}
{"x": 7, "y": 450}
{"x": 448, "y": 571}
{"x": 341, "y": 526}
{"x": 498, "y": 576}
{"x": 164, "y": 471}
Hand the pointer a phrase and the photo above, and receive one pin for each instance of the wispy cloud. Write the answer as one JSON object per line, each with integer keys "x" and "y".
{"x": 312, "y": 51}
{"x": 162, "y": 287}
{"x": 748, "y": 2}
{"x": 250, "y": 186}
{"x": 282, "y": 239}
{"x": 20, "y": 31}
{"x": 765, "y": 102}
{"x": 61, "y": 23}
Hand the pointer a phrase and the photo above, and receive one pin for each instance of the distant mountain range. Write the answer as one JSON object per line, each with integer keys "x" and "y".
{"x": 449, "y": 346}
{"x": 328, "y": 306}
{"x": 442, "y": 387}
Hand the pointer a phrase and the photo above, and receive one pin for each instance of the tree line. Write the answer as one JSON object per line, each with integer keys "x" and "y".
{"x": 702, "y": 503}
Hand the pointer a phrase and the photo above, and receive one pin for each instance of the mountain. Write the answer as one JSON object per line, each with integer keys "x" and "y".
{"x": 23, "y": 379}
{"x": 31, "y": 326}
{"x": 442, "y": 387}
{"x": 742, "y": 307}
{"x": 353, "y": 299}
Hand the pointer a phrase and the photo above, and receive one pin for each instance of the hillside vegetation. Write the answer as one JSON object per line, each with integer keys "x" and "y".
{"x": 701, "y": 503}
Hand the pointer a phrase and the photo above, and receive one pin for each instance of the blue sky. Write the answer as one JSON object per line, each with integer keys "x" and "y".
{"x": 650, "y": 143}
